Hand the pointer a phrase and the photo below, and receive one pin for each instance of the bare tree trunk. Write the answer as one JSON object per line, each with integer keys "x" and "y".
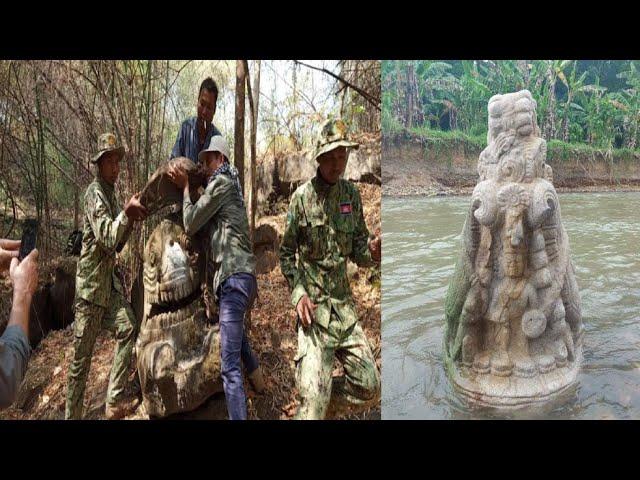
{"x": 238, "y": 150}
{"x": 254, "y": 93}
{"x": 551, "y": 109}
{"x": 254, "y": 97}
{"x": 565, "y": 120}
{"x": 148, "y": 122}
{"x": 42, "y": 169}
{"x": 76, "y": 197}
{"x": 294, "y": 129}
{"x": 398, "y": 105}
{"x": 410, "y": 112}
{"x": 256, "y": 103}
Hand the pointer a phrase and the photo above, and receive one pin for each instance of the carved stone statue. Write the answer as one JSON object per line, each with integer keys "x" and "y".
{"x": 178, "y": 351}
{"x": 513, "y": 333}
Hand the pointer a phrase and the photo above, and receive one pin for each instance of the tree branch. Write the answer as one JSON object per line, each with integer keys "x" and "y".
{"x": 367, "y": 96}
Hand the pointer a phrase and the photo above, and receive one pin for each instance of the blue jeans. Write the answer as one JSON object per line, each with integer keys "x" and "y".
{"x": 237, "y": 294}
{"x": 249, "y": 360}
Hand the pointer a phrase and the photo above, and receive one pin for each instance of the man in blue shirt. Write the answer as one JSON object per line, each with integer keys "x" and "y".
{"x": 196, "y": 132}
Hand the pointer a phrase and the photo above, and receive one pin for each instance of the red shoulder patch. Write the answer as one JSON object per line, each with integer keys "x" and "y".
{"x": 345, "y": 208}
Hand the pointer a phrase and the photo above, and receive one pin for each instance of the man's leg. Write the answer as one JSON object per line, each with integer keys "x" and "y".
{"x": 88, "y": 317}
{"x": 122, "y": 321}
{"x": 235, "y": 296}
{"x": 314, "y": 364}
{"x": 361, "y": 384}
{"x": 249, "y": 360}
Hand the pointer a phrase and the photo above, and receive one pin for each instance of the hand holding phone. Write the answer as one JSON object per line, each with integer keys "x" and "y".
{"x": 29, "y": 237}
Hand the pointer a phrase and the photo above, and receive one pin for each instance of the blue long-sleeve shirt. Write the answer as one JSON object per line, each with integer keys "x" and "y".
{"x": 187, "y": 144}
{"x": 14, "y": 356}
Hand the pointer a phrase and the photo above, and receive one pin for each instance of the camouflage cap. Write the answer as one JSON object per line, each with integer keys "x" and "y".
{"x": 333, "y": 134}
{"x": 107, "y": 143}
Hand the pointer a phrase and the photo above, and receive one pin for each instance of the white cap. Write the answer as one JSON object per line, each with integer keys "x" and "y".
{"x": 217, "y": 144}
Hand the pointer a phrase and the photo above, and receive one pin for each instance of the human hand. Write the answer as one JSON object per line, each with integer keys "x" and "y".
{"x": 8, "y": 250}
{"x": 24, "y": 275}
{"x": 178, "y": 176}
{"x": 375, "y": 246}
{"x": 134, "y": 209}
{"x": 305, "y": 310}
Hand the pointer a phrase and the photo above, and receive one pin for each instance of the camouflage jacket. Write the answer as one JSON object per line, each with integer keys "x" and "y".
{"x": 325, "y": 226}
{"x": 222, "y": 211}
{"x": 105, "y": 230}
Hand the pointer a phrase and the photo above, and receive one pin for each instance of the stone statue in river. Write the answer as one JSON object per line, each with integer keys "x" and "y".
{"x": 513, "y": 333}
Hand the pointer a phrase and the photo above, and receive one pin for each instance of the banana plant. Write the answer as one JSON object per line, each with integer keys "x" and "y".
{"x": 574, "y": 83}
{"x": 631, "y": 98}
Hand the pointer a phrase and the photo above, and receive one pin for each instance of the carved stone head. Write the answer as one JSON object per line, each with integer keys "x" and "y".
{"x": 160, "y": 191}
{"x": 178, "y": 350}
{"x": 514, "y": 150}
{"x": 512, "y": 114}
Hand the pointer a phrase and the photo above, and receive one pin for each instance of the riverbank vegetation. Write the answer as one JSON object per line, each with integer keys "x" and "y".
{"x": 579, "y": 102}
{"x": 441, "y": 142}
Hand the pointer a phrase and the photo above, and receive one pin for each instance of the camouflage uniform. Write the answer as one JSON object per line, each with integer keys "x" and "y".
{"x": 100, "y": 302}
{"x": 325, "y": 226}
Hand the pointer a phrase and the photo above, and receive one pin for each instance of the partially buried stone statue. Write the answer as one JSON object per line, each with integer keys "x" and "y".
{"x": 177, "y": 349}
{"x": 513, "y": 333}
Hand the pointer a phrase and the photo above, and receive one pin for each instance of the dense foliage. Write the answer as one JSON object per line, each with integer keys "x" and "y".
{"x": 594, "y": 102}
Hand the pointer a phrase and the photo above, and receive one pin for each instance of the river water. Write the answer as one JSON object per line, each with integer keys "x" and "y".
{"x": 420, "y": 248}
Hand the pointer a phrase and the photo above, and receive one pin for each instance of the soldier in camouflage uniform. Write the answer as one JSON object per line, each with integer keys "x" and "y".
{"x": 100, "y": 301}
{"x": 325, "y": 227}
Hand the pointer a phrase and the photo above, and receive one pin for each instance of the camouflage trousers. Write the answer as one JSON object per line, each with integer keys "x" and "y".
{"x": 90, "y": 318}
{"x": 317, "y": 349}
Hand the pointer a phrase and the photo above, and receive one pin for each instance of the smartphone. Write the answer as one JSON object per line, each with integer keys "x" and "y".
{"x": 29, "y": 237}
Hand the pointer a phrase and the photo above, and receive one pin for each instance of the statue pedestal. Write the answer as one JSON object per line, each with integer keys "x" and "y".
{"x": 488, "y": 390}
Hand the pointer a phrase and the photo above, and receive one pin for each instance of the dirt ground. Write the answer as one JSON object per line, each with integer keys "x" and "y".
{"x": 272, "y": 335}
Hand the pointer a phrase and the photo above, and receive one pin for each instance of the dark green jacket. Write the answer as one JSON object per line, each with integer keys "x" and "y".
{"x": 221, "y": 210}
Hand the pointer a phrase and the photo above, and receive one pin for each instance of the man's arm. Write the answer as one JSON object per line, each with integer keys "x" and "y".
{"x": 288, "y": 250}
{"x": 109, "y": 233}
{"x": 178, "y": 147}
{"x": 14, "y": 343}
{"x": 360, "y": 253}
{"x": 195, "y": 216}
{"x": 125, "y": 237}
{"x": 14, "y": 356}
